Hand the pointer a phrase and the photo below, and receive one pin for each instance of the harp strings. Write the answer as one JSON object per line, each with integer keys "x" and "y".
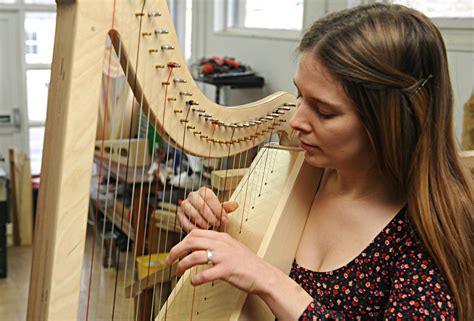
{"x": 139, "y": 202}
{"x": 107, "y": 187}
{"x": 106, "y": 97}
{"x": 155, "y": 201}
{"x": 133, "y": 210}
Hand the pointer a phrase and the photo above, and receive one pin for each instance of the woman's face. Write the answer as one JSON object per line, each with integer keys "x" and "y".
{"x": 329, "y": 128}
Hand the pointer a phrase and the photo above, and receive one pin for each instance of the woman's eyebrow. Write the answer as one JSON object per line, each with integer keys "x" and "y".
{"x": 318, "y": 100}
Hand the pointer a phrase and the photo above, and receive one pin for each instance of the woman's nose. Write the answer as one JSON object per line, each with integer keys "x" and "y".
{"x": 299, "y": 121}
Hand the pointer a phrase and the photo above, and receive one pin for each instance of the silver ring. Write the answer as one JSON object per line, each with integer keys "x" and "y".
{"x": 209, "y": 256}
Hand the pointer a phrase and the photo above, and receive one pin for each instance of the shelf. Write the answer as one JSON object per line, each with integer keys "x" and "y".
{"x": 124, "y": 226}
{"x": 132, "y": 174}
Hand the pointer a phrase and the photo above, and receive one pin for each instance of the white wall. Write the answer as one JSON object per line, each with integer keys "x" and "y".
{"x": 275, "y": 58}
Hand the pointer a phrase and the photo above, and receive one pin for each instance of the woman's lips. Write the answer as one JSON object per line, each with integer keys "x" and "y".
{"x": 307, "y": 146}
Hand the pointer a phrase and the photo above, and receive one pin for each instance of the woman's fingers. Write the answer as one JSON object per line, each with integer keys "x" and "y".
{"x": 230, "y": 206}
{"x": 215, "y": 205}
{"x": 231, "y": 260}
{"x": 203, "y": 208}
{"x": 186, "y": 224}
{"x": 208, "y": 275}
{"x": 195, "y": 258}
{"x": 189, "y": 244}
{"x": 187, "y": 209}
{"x": 199, "y": 258}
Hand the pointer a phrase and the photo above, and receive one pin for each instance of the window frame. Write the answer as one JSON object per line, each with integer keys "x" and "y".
{"x": 229, "y": 11}
{"x": 22, "y": 8}
{"x": 456, "y": 32}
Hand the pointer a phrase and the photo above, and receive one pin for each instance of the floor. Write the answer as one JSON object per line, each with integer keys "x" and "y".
{"x": 14, "y": 289}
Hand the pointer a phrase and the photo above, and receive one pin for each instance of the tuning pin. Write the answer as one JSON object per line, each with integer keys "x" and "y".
{"x": 185, "y": 93}
{"x": 192, "y": 103}
{"x": 179, "y": 80}
{"x": 161, "y": 31}
{"x": 289, "y": 105}
{"x": 173, "y": 65}
{"x": 154, "y": 14}
{"x": 144, "y": 34}
{"x": 167, "y": 47}
{"x": 152, "y": 50}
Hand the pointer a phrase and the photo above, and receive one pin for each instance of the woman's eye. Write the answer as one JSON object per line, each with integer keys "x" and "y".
{"x": 323, "y": 115}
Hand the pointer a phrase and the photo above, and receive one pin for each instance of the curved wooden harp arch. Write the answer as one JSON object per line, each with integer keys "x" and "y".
{"x": 275, "y": 195}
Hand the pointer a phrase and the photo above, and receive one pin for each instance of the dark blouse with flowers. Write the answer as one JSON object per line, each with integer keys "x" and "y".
{"x": 394, "y": 278}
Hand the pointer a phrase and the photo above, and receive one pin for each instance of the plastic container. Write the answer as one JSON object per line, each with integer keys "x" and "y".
{"x": 149, "y": 264}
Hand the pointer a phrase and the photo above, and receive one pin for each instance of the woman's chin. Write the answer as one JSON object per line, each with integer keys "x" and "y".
{"x": 316, "y": 160}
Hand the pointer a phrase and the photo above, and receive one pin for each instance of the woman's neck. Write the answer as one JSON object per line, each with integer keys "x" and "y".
{"x": 361, "y": 184}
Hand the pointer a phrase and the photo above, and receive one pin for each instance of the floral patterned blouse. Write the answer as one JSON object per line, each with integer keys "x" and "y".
{"x": 394, "y": 278}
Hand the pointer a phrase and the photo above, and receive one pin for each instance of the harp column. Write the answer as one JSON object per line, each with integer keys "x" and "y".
{"x": 67, "y": 159}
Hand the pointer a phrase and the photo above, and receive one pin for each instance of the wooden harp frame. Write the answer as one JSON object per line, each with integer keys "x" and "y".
{"x": 60, "y": 232}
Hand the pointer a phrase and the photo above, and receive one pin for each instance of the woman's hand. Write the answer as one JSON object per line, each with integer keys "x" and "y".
{"x": 231, "y": 260}
{"x": 203, "y": 210}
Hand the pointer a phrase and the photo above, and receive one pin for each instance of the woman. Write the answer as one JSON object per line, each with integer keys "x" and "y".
{"x": 375, "y": 111}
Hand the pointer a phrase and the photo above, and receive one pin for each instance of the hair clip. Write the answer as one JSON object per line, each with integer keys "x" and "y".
{"x": 423, "y": 83}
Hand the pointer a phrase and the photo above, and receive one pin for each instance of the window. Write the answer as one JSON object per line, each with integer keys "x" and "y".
{"x": 188, "y": 31}
{"x": 265, "y": 14}
{"x": 37, "y": 83}
{"x": 39, "y": 42}
{"x": 181, "y": 15}
{"x": 454, "y": 18}
{"x": 440, "y": 8}
{"x": 39, "y": 37}
{"x": 51, "y": 2}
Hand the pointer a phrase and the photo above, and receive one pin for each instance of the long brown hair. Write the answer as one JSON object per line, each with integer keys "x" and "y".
{"x": 392, "y": 62}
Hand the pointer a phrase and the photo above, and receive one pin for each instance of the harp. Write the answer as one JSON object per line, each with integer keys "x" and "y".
{"x": 279, "y": 185}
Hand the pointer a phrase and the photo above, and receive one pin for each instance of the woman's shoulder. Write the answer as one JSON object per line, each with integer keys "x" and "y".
{"x": 416, "y": 278}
